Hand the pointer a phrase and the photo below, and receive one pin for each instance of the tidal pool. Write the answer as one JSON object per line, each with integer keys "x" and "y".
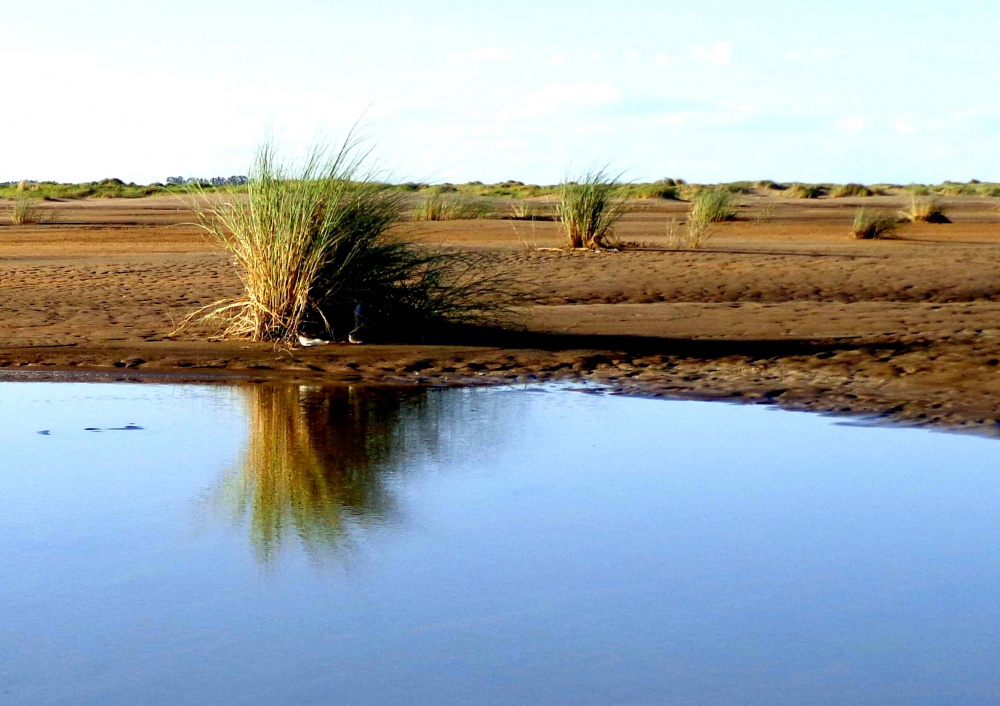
{"x": 302, "y": 545}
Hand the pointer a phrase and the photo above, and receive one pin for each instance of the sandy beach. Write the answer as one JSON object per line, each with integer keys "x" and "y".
{"x": 785, "y": 310}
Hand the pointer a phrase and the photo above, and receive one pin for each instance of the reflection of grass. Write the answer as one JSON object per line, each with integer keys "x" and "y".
{"x": 313, "y": 465}
{"x": 318, "y": 461}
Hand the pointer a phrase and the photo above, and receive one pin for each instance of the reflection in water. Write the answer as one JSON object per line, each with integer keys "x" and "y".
{"x": 318, "y": 459}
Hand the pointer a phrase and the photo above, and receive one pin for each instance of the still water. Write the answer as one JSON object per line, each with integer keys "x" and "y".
{"x": 297, "y": 545}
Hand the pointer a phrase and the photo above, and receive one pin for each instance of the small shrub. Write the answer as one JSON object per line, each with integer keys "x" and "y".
{"x": 589, "y": 208}
{"x": 769, "y": 185}
{"x": 713, "y": 206}
{"x": 924, "y": 211}
{"x": 846, "y": 190}
{"x": 873, "y": 225}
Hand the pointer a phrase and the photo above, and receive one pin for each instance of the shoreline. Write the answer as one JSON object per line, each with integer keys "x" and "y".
{"x": 787, "y": 311}
{"x": 794, "y": 382}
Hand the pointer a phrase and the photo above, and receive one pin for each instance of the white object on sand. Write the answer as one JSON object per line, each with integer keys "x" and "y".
{"x": 306, "y": 342}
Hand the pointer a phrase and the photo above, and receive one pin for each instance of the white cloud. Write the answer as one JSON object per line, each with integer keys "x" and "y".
{"x": 718, "y": 53}
{"x": 813, "y": 55}
{"x": 904, "y": 128}
{"x": 853, "y": 124}
{"x": 556, "y": 96}
{"x": 667, "y": 60}
{"x": 491, "y": 54}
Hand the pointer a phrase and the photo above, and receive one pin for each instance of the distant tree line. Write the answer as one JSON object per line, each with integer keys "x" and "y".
{"x": 214, "y": 181}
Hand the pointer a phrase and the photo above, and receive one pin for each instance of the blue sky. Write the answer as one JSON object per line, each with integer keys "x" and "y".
{"x": 454, "y": 91}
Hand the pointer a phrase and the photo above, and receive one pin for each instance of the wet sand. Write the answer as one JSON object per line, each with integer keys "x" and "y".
{"x": 787, "y": 311}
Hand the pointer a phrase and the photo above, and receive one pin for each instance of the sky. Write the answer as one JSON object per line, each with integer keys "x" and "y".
{"x": 868, "y": 91}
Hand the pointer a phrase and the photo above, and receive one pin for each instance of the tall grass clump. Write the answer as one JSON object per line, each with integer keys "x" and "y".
{"x": 589, "y": 208}
{"x": 24, "y": 210}
{"x": 873, "y": 225}
{"x": 709, "y": 206}
{"x": 316, "y": 251}
{"x": 713, "y": 206}
{"x": 924, "y": 210}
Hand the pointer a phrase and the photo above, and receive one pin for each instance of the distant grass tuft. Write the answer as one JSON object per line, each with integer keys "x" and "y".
{"x": 847, "y": 190}
{"x": 924, "y": 211}
{"x": 804, "y": 191}
{"x": 713, "y": 206}
{"x": 873, "y": 225}
{"x": 450, "y": 208}
{"x": 590, "y": 207}
{"x": 708, "y": 207}
{"x": 666, "y": 190}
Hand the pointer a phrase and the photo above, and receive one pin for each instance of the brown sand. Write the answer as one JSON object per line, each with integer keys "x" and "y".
{"x": 789, "y": 311}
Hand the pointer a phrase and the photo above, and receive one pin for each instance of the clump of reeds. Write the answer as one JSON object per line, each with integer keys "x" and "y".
{"x": 924, "y": 210}
{"x": 873, "y": 225}
{"x": 24, "y": 211}
{"x": 846, "y": 190}
{"x": 713, "y": 206}
{"x": 589, "y": 208}
{"x": 315, "y": 249}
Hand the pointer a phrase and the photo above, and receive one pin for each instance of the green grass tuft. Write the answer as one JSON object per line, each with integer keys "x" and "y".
{"x": 312, "y": 243}
{"x": 873, "y": 225}
{"x": 451, "y": 208}
{"x": 847, "y": 190}
{"x": 713, "y": 206}
{"x": 804, "y": 191}
{"x": 924, "y": 210}
{"x": 589, "y": 208}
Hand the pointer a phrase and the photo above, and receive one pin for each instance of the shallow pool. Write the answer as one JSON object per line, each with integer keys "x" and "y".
{"x": 288, "y": 544}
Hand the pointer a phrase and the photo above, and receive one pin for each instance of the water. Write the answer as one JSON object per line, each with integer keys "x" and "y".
{"x": 277, "y": 544}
